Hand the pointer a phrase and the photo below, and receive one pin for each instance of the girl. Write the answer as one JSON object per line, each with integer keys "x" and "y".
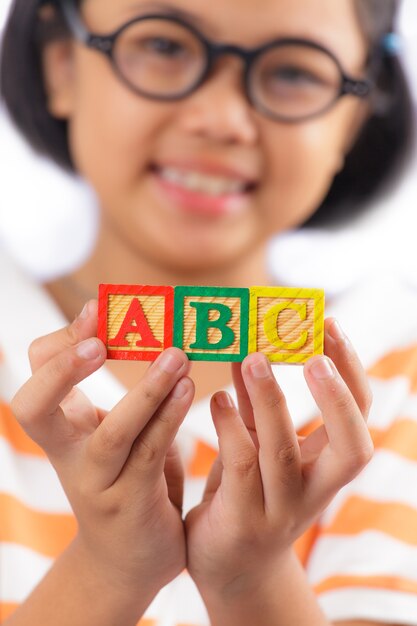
{"x": 204, "y": 129}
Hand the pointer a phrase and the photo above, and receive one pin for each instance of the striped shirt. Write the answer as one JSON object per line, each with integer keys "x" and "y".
{"x": 361, "y": 555}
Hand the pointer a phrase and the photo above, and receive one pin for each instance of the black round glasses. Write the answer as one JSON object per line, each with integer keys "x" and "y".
{"x": 164, "y": 58}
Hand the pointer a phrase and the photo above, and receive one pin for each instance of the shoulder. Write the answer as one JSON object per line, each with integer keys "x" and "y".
{"x": 380, "y": 317}
{"x": 26, "y": 312}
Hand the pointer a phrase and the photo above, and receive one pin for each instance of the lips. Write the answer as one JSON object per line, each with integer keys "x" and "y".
{"x": 209, "y": 190}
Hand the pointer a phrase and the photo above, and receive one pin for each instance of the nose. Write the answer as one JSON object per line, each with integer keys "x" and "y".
{"x": 219, "y": 109}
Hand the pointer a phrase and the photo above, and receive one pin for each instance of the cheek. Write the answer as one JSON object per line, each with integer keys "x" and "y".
{"x": 301, "y": 163}
{"x": 112, "y": 131}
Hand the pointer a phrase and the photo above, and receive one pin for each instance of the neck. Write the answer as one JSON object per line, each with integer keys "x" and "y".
{"x": 113, "y": 262}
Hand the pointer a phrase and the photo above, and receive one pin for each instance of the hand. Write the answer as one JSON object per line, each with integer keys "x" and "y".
{"x": 267, "y": 486}
{"x": 120, "y": 470}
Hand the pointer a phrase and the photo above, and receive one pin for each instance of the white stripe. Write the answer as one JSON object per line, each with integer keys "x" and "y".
{"x": 31, "y": 480}
{"x": 390, "y": 399}
{"x": 21, "y": 569}
{"x": 193, "y": 492}
{"x": 388, "y": 478}
{"x": 178, "y": 602}
{"x": 374, "y": 605}
{"x": 368, "y": 554}
{"x": 409, "y": 409}
{"x": 378, "y": 315}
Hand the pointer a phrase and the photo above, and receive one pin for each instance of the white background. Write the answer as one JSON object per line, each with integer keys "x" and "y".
{"x": 41, "y": 210}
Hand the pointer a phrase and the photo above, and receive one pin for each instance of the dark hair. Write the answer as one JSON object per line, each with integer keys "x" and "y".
{"x": 386, "y": 141}
{"x": 375, "y": 161}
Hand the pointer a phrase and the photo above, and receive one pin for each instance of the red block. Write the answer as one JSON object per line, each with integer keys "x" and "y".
{"x": 135, "y": 322}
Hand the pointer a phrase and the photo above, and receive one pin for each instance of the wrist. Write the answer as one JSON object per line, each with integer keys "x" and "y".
{"x": 241, "y": 598}
{"x": 109, "y": 582}
{"x": 246, "y": 577}
{"x": 244, "y": 584}
{"x": 78, "y": 590}
{"x": 273, "y": 594}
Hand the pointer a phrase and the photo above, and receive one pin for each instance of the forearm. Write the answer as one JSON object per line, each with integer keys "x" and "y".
{"x": 283, "y": 597}
{"x": 74, "y": 593}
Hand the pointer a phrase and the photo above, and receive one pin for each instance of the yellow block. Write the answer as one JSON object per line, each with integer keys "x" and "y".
{"x": 286, "y": 324}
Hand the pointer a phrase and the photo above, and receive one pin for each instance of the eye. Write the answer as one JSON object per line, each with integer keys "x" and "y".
{"x": 296, "y": 76}
{"x": 162, "y": 45}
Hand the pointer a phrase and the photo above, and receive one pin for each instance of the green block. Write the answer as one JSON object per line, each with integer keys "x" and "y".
{"x": 211, "y": 323}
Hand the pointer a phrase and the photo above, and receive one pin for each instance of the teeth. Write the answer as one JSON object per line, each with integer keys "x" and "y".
{"x": 203, "y": 183}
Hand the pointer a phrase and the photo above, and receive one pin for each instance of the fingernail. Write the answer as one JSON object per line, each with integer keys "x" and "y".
{"x": 259, "y": 367}
{"x": 322, "y": 369}
{"x": 169, "y": 362}
{"x": 224, "y": 400}
{"x": 180, "y": 390}
{"x": 88, "y": 349}
{"x": 335, "y": 331}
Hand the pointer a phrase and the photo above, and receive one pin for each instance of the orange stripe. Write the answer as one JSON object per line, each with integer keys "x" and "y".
{"x": 375, "y": 582}
{"x": 6, "y": 609}
{"x": 400, "y": 362}
{"x": 310, "y": 427}
{"x": 400, "y": 438}
{"x": 11, "y": 430}
{"x": 48, "y": 534}
{"x": 304, "y": 544}
{"x": 359, "y": 515}
{"x": 202, "y": 460}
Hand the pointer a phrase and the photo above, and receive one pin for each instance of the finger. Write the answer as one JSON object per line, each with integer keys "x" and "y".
{"x": 343, "y": 355}
{"x": 241, "y": 479}
{"x": 312, "y": 445}
{"x": 174, "y": 476}
{"x": 36, "y": 405}
{"x": 279, "y": 453}
{"x": 111, "y": 444}
{"x": 214, "y": 479}
{"x": 148, "y": 455}
{"x": 79, "y": 412}
{"x": 243, "y": 401}
{"x": 340, "y": 350}
{"x": 350, "y": 445}
{"x": 84, "y": 326}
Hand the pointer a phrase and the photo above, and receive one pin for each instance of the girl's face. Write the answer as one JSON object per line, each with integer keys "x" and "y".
{"x": 127, "y": 146}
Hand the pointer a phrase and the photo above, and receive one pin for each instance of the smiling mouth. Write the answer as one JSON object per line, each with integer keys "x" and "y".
{"x": 205, "y": 184}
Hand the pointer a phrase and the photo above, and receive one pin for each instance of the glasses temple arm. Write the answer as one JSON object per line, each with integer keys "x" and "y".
{"x": 70, "y": 13}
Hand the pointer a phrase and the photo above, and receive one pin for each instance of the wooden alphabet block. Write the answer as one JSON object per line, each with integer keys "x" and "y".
{"x": 286, "y": 324}
{"x": 135, "y": 321}
{"x": 211, "y": 323}
{"x": 138, "y": 322}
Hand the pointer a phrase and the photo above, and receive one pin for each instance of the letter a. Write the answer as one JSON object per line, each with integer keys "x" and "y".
{"x": 135, "y": 322}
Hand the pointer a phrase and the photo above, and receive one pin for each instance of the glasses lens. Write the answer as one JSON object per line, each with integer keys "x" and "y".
{"x": 159, "y": 57}
{"x": 294, "y": 81}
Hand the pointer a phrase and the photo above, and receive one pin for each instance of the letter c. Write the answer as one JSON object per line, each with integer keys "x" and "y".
{"x": 271, "y": 325}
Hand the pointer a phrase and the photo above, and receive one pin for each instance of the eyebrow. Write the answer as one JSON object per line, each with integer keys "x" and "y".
{"x": 169, "y": 9}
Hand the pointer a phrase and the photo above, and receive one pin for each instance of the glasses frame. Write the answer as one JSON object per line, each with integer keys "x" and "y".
{"x": 105, "y": 44}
